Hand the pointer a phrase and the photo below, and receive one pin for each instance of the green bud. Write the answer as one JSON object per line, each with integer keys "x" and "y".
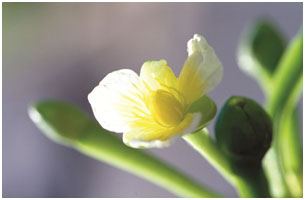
{"x": 260, "y": 49}
{"x": 243, "y": 130}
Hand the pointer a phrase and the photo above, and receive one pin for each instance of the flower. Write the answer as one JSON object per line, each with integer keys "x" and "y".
{"x": 152, "y": 108}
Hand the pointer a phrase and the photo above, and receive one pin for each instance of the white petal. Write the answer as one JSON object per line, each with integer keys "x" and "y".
{"x": 210, "y": 69}
{"x": 147, "y": 144}
{"x": 108, "y": 100}
{"x": 197, "y": 43}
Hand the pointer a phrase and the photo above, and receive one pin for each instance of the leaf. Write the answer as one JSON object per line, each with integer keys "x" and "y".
{"x": 260, "y": 50}
{"x": 267, "y": 45}
{"x": 66, "y": 124}
{"x": 206, "y": 107}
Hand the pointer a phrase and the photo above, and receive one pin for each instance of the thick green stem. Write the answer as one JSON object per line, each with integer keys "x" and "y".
{"x": 290, "y": 148}
{"x": 140, "y": 164}
{"x": 249, "y": 181}
{"x": 284, "y": 81}
{"x": 66, "y": 124}
{"x": 287, "y": 75}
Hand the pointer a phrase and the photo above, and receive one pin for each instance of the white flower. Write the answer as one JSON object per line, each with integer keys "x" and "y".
{"x": 152, "y": 108}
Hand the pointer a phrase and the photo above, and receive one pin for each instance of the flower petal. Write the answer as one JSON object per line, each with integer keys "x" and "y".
{"x": 198, "y": 43}
{"x": 154, "y": 135}
{"x": 116, "y": 101}
{"x": 202, "y": 71}
{"x": 156, "y": 72}
{"x": 131, "y": 139}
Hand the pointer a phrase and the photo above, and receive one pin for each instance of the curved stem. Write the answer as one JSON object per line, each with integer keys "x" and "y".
{"x": 286, "y": 77}
{"x": 249, "y": 181}
{"x": 290, "y": 148}
{"x": 284, "y": 81}
{"x": 96, "y": 145}
{"x": 66, "y": 124}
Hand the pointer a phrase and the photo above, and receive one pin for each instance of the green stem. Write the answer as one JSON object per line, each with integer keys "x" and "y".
{"x": 284, "y": 81}
{"x": 286, "y": 76}
{"x": 249, "y": 181}
{"x": 66, "y": 124}
{"x": 290, "y": 148}
{"x": 140, "y": 164}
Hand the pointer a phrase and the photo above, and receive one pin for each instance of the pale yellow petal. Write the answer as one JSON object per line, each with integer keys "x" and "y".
{"x": 202, "y": 71}
{"x": 198, "y": 43}
{"x": 148, "y": 134}
{"x": 156, "y": 73}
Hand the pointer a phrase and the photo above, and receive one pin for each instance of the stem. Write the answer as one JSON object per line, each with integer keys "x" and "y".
{"x": 290, "y": 148}
{"x": 150, "y": 168}
{"x": 66, "y": 124}
{"x": 286, "y": 77}
{"x": 252, "y": 181}
{"x": 249, "y": 181}
{"x": 284, "y": 81}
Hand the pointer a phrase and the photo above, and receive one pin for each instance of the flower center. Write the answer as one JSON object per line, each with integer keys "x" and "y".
{"x": 166, "y": 109}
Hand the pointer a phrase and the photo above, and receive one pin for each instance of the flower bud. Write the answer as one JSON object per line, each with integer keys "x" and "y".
{"x": 243, "y": 130}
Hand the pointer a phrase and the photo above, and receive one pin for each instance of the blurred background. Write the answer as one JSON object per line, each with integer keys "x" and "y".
{"x": 62, "y": 50}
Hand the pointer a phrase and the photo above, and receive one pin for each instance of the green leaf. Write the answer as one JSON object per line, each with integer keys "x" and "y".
{"x": 66, "y": 124}
{"x": 267, "y": 45}
{"x": 206, "y": 107}
{"x": 260, "y": 50}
